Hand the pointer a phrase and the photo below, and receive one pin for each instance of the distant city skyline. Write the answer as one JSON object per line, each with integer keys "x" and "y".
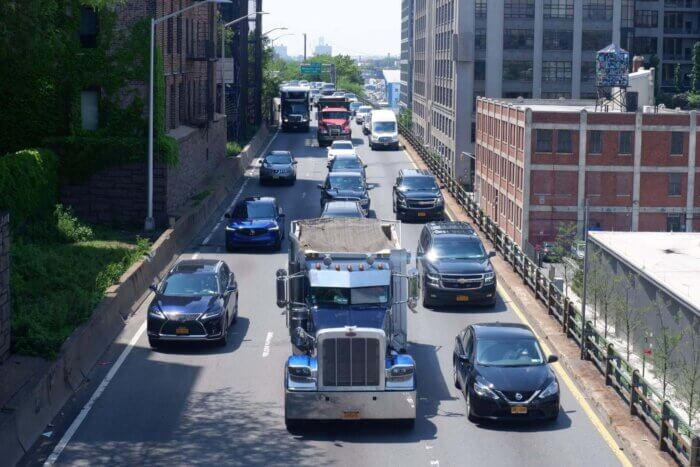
{"x": 349, "y": 31}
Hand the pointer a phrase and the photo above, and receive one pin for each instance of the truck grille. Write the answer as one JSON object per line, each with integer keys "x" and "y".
{"x": 348, "y": 361}
{"x": 462, "y": 281}
{"x": 334, "y": 130}
{"x": 421, "y": 203}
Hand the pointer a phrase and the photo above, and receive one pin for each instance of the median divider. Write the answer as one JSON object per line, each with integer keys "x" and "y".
{"x": 38, "y": 399}
{"x": 673, "y": 433}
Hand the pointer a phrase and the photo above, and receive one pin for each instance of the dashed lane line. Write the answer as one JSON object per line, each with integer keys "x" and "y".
{"x": 268, "y": 341}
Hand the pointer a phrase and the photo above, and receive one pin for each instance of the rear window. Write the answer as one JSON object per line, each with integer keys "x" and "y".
{"x": 342, "y": 145}
{"x": 340, "y": 164}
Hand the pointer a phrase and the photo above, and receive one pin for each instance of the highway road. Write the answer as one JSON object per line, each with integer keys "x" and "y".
{"x": 197, "y": 404}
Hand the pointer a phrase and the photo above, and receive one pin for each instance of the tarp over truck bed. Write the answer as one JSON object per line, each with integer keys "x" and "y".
{"x": 345, "y": 235}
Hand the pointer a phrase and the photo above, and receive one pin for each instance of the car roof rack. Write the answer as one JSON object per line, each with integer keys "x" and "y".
{"x": 451, "y": 227}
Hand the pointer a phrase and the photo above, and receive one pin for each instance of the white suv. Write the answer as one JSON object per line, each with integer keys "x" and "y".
{"x": 341, "y": 148}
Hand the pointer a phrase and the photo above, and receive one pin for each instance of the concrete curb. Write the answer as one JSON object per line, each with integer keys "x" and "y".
{"x": 40, "y": 399}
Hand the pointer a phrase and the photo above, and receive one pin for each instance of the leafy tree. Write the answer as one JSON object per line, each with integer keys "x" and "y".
{"x": 566, "y": 235}
{"x": 628, "y": 316}
{"x": 696, "y": 68}
{"x": 677, "y": 78}
{"x": 666, "y": 340}
{"x": 688, "y": 387}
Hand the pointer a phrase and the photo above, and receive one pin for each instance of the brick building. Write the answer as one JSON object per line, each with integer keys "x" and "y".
{"x": 539, "y": 160}
{"x": 188, "y": 43}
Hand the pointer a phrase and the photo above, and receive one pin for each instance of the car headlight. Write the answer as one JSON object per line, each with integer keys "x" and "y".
{"x": 551, "y": 390}
{"x": 213, "y": 313}
{"x": 489, "y": 277}
{"x": 156, "y": 313}
{"x": 483, "y": 388}
{"x": 439, "y": 201}
{"x": 274, "y": 228}
{"x": 231, "y": 229}
{"x": 285, "y": 119}
{"x": 433, "y": 278}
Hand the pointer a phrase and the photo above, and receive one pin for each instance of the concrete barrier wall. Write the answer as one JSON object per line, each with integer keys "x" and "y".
{"x": 4, "y": 285}
{"x": 25, "y": 416}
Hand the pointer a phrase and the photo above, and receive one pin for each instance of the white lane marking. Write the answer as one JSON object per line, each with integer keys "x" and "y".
{"x": 435, "y": 462}
{"x": 195, "y": 256}
{"x": 96, "y": 395}
{"x": 303, "y": 195}
{"x": 268, "y": 341}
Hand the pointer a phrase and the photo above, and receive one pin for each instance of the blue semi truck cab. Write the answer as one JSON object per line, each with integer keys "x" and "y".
{"x": 346, "y": 295}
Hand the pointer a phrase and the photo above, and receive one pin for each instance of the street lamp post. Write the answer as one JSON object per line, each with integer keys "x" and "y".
{"x": 149, "y": 223}
{"x": 272, "y": 41}
{"x": 274, "y": 29}
{"x": 223, "y": 54}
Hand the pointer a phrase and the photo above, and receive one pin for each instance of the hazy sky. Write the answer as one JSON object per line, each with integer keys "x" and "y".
{"x": 354, "y": 27}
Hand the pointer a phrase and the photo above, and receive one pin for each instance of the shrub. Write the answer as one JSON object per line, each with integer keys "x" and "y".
{"x": 28, "y": 184}
{"x": 70, "y": 229}
{"x": 233, "y": 148}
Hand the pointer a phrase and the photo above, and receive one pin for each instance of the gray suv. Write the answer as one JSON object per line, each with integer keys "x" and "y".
{"x": 278, "y": 166}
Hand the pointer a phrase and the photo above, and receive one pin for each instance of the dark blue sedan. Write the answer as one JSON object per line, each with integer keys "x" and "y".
{"x": 197, "y": 301}
{"x": 504, "y": 374}
{"x": 255, "y": 222}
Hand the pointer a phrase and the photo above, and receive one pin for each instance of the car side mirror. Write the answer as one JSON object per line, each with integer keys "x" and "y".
{"x": 232, "y": 288}
{"x": 154, "y": 287}
{"x": 328, "y": 165}
{"x": 282, "y": 281}
{"x": 442, "y": 187}
{"x": 552, "y": 359}
{"x": 260, "y": 161}
{"x": 464, "y": 358}
{"x": 227, "y": 216}
{"x": 295, "y": 162}
{"x": 282, "y": 214}
{"x": 319, "y": 186}
{"x": 492, "y": 253}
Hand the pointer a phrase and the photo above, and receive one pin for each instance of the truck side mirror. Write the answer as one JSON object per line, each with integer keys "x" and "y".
{"x": 413, "y": 289}
{"x": 282, "y": 281}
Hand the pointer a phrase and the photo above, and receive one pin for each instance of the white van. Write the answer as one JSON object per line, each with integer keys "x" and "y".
{"x": 384, "y": 132}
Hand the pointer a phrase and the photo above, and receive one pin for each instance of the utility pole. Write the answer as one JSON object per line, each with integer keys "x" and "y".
{"x": 304, "y": 47}
{"x": 258, "y": 64}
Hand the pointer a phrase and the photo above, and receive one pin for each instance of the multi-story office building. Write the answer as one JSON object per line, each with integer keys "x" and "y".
{"x": 667, "y": 30}
{"x": 322, "y": 48}
{"x": 503, "y": 48}
{"x": 405, "y": 61}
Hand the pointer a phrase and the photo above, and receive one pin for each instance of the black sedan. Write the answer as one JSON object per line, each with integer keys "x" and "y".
{"x": 345, "y": 186}
{"x": 278, "y": 166}
{"x": 504, "y": 374}
{"x": 197, "y": 301}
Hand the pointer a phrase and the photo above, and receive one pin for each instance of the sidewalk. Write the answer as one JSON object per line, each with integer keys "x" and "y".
{"x": 633, "y": 436}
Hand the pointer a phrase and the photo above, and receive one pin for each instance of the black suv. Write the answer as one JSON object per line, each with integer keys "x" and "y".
{"x": 417, "y": 195}
{"x": 455, "y": 268}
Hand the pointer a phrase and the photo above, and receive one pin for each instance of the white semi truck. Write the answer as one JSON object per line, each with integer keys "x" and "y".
{"x": 346, "y": 296}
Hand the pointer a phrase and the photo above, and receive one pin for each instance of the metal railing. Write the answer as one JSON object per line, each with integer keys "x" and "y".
{"x": 674, "y": 434}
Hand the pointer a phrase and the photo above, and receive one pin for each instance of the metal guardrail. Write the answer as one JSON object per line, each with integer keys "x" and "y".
{"x": 674, "y": 435}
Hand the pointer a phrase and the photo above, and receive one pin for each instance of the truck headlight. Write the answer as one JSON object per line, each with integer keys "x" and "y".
{"x": 300, "y": 371}
{"x": 489, "y": 277}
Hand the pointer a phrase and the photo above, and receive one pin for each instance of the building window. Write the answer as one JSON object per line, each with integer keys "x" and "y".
{"x": 564, "y": 141}
{"x": 675, "y": 223}
{"x": 556, "y": 95}
{"x": 480, "y": 39}
{"x": 588, "y": 72}
{"x": 519, "y": 8}
{"x": 676, "y": 143}
{"x": 89, "y": 109}
{"x": 674, "y": 184}
{"x": 595, "y": 142}
{"x": 644, "y": 45}
{"x": 544, "y": 141}
{"x": 518, "y": 38}
{"x": 598, "y": 9}
{"x": 559, "y": 9}
{"x": 646, "y": 18}
{"x": 170, "y": 35}
{"x": 595, "y": 40}
{"x": 89, "y": 27}
{"x": 480, "y": 70}
{"x": 557, "y": 39}
{"x": 481, "y": 8}
{"x": 556, "y": 71}
{"x": 517, "y": 70}
{"x": 626, "y": 138}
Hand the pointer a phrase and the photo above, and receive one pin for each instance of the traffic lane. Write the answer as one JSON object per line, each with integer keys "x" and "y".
{"x": 432, "y": 332}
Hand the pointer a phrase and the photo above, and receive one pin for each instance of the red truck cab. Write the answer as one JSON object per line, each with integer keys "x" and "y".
{"x": 333, "y": 124}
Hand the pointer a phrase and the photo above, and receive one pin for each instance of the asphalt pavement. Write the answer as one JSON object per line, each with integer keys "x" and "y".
{"x": 202, "y": 405}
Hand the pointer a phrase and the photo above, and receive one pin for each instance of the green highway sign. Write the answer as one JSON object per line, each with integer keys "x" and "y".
{"x": 310, "y": 68}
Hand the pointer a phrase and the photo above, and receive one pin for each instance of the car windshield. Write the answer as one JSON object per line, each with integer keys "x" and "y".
{"x": 384, "y": 126}
{"x": 335, "y": 115}
{"x": 342, "y": 145}
{"x": 457, "y": 248}
{"x": 377, "y": 295}
{"x": 419, "y": 183}
{"x": 278, "y": 159}
{"x": 508, "y": 352}
{"x": 254, "y": 211}
{"x": 346, "y": 182}
{"x": 350, "y": 95}
{"x": 342, "y": 164}
{"x": 187, "y": 285}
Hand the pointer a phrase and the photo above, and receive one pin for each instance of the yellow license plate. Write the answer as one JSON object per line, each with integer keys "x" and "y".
{"x": 182, "y": 330}
{"x": 519, "y": 410}
{"x": 421, "y": 214}
{"x": 351, "y": 415}
{"x": 462, "y": 298}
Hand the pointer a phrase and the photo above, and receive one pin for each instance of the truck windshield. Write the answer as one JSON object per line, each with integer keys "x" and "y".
{"x": 335, "y": 115}
{"x": 381, "y": 127}
{"x": 376, "y": 295}
{"x": 294, "y": 108}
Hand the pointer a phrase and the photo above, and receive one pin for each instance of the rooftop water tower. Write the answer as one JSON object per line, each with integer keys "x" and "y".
{"x": 612, "y": 77}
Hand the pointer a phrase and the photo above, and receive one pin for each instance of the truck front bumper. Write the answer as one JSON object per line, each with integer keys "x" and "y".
{"x": 359, "y": 405}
